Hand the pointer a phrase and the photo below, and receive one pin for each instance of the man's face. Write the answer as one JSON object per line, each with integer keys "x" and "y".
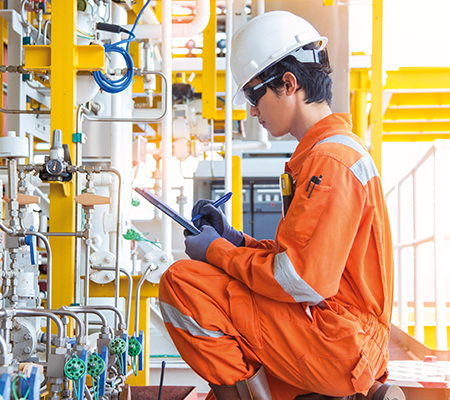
{"x": 271, "y": 109}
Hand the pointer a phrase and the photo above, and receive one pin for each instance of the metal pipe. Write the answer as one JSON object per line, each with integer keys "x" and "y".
{"x": 39, "y": 27}
{"x": 87, "y": 393}
{"x": 81, "y": 330}
{"x": 6, "y": 230}
{"x": 49, "y": 315}
{"x": 82, "y": 110}
{"x": 130, "y": 289}
{"x": 86, "y": 281}
{"x": 14, "y": 111}
{"x": 149, "y": 269}
{"x": 138, "y": 120}
{"x": 46, "y": 24}
{"x": 112, "y": 308}
{"x": 76, "y": 234}
{"x": 49, "y": 264}
{"x": 89, "y": 310}
{"x": 117, "y": 288}
{"x": 3, "y": 346}
{"x": 26, "y": 312}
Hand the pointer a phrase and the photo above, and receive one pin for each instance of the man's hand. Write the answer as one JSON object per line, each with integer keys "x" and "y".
{"x": 196, "y": 246}
{"x": 215, "y": 217}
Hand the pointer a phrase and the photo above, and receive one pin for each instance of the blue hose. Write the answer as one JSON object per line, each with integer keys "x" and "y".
{"x": 119, "y": 85}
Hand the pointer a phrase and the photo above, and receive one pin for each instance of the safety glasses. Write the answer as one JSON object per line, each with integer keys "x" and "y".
{"x": 254, "y": 93}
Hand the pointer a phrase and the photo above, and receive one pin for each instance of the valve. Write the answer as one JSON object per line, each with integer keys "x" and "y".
{"x": 134, "y": 347}
{"x": 75, "y": 368}
{"x": 95, "y": 365}
{"x": 117, "y": 346}
{"x": 55, "y": 165}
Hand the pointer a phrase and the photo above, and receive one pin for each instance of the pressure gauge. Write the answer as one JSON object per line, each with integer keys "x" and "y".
{"x": 54, "y": 167}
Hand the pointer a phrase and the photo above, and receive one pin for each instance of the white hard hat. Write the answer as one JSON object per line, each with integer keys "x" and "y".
{"x": 266, "y": 39}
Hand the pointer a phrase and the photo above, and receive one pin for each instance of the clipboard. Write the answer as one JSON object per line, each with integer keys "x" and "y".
{"x": 158, "y": 203}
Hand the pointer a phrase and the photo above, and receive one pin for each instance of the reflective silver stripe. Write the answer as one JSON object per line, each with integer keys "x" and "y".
{"x": 364, "y": 169}
{"x": 172, "y": 316}
{"x": 287, "y": 277}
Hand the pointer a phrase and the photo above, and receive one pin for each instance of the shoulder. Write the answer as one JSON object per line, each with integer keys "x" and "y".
{"x": 348, "y": 150}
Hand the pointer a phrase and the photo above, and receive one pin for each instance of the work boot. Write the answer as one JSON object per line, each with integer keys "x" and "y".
{"x": 255, "y": 388}
{"x": 378, "y": 391}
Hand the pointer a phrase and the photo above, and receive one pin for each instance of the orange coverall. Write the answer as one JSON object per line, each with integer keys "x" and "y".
{"x": 314, "y": 305}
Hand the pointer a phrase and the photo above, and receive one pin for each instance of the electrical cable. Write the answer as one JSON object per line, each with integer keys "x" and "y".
{"x": 161, "y": 382}
{"x": 13, "y": 387}
{"x": 118, "y": 85}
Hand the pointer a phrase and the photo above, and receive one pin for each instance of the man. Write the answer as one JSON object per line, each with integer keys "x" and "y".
{"x": 305, "y": 316}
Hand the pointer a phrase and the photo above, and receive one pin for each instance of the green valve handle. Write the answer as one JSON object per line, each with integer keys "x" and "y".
{"x": 130, "y": 235}
{"x": 95, "y": 365}
{"x": 75, "y": 368}
{"x": 117, "y": 346}
{"x": 134, "y": 347}
{"x": 135, "y": 202}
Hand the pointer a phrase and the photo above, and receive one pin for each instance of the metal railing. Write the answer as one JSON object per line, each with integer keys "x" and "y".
{"x": 419, "y": 206}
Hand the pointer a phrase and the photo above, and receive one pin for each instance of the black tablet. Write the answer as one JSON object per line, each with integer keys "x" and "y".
{"x": 158, "y": 203}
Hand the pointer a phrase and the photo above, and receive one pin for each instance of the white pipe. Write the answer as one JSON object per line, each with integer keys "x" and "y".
{"x": 260, "y": 7}
{"x": 263, "y": 137}
{"x": 196, "y": 26}
{"x": 228, "y": 110}
{"x": 116, "y": 111}
{"x": 166, "y": 125}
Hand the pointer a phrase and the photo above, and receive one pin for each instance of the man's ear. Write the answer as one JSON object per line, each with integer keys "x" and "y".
{"x": 290, "y": 83}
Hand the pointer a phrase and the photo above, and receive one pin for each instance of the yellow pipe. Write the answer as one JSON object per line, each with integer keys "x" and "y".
{"x": 63, "y": 116}
{"x": 376, "y": 112}
{"x": 209, "y": 66}
{"x": 360, "y": 114}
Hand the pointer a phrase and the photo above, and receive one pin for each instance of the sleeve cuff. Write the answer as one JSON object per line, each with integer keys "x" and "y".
{"x": 217, "y": 250}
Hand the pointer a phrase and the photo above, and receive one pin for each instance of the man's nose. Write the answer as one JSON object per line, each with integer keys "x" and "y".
{"x": 254, "y": 112}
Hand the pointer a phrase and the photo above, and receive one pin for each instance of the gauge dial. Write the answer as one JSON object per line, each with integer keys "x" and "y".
{"x": 54, "y": 167}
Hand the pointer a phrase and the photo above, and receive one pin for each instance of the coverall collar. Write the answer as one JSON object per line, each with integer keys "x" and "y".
{"x": 318, "y": 131}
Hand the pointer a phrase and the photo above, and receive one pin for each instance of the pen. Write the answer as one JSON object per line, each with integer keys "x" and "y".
{"x": 216, "y": 204}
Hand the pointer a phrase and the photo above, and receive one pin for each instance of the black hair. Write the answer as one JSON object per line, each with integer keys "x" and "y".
{"x": 312, "y": 77}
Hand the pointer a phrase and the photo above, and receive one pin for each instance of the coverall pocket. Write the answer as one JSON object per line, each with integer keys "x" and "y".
{"x": 331, "y": 375}
{"x": 244, "y": 313}
{"x": 362, "y": 376}
{"x": 305, "y": 210}
{"x": 334, "y": 321}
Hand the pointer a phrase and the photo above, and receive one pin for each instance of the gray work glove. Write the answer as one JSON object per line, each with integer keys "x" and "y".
{"x": 196, "y": 246}
{"x": 216, "y": 218}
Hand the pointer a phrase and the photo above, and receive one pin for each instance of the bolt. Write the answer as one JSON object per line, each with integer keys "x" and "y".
{"x": 146, "y": 259}
{"x": 93, "y": 258}
{"x": 109, "y": 275}
{"x": 93, "y": 276}
{"x": 27, "y": 350}
{"x": 163, "y": 258}
{"x": 27, "y": 336}
{"x": 108, "y": 258}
